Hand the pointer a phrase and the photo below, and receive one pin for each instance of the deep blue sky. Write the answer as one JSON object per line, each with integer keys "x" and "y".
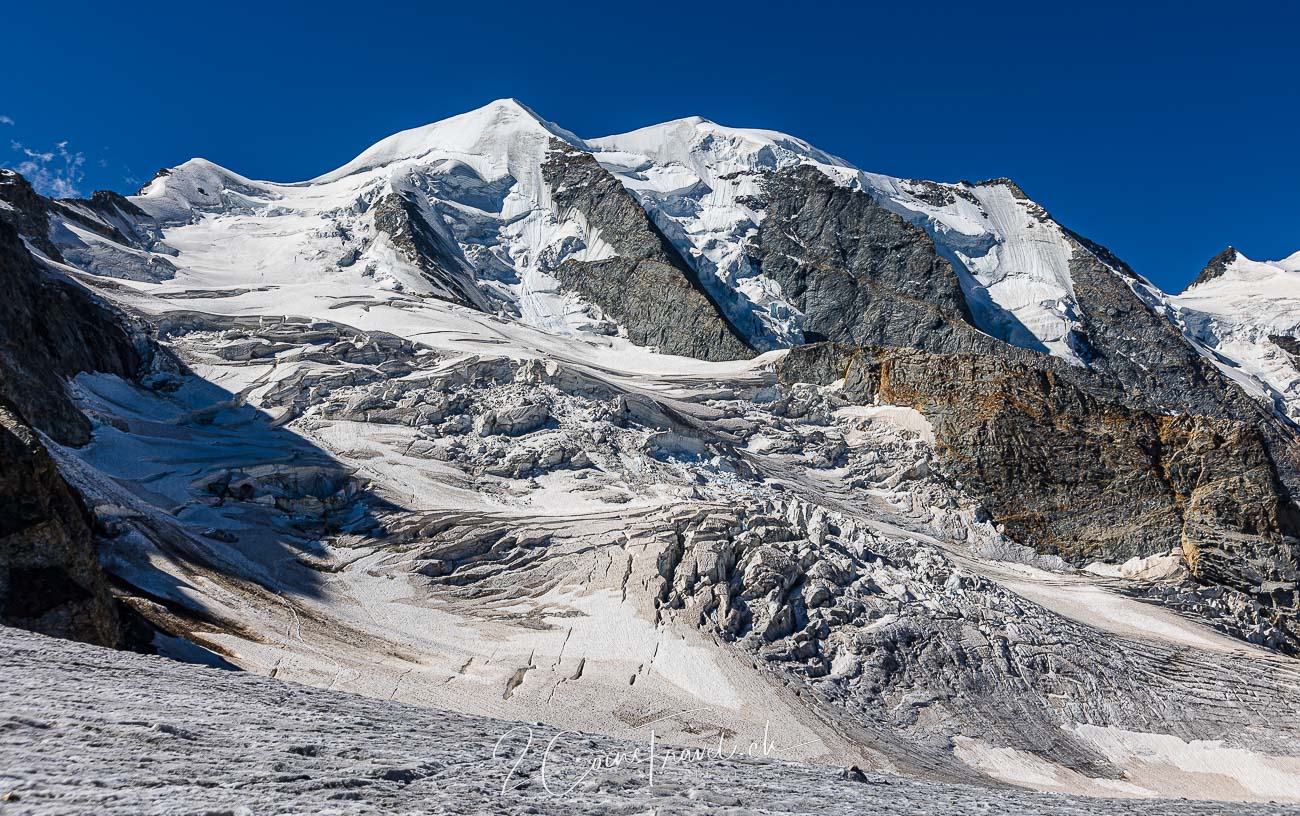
{"x": 1164, "y": 130}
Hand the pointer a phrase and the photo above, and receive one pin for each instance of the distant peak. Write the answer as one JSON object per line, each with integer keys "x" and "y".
{"x": 674, "y": 139}
{"x": 1216, "y": 267}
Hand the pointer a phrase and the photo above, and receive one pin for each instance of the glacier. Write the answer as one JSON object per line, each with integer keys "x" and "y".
{"x": 400, "y": 458}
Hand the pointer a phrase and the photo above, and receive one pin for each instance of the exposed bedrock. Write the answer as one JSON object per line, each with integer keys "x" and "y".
{"x": 1069, "y": 472}
{"x": 864, "y": 276}
{"x": 1214, "y": 268}
{"x": 51, "y": 329}
{"x": 648, "y": 288}
{"x": 434, "y": 254}
{"x": 50, "y": 580}
{"x": 105, "y": 234}
{"x": 26, "y": 212}
{"x": 859, "y": 273}
{"x": 1134, "y": 349}
{"x": 1148, "y": 448}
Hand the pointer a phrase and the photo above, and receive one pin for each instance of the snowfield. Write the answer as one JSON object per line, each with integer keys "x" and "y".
{"x": 112, "y": 732}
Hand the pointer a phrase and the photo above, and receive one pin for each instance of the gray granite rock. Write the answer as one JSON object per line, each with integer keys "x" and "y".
{"x": 859, "y": 273}
{"x": 648, "y": 288}
{"x": 1215, "y": 267}
{"x": 436, "y": 255}
{"x": 50, "y": 578}
{"x": 1069, "y": 471}
{"x": 52, "y": 328}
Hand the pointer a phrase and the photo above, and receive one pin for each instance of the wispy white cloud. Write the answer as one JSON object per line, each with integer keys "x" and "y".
{"x": 5, "y": 120}
{"x": 56, "y": 172}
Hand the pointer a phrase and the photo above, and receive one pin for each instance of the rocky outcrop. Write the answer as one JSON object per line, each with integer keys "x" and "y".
{"x": 26, "y": 212}
{"x": 1137, "y": 357}
{"x": 1215, "y": 268}
{"x": 647, "y": 288}
{"x": 1135, "y": 349}
{"x": 1068, "y": 471}
{"x": 1149, "y": 446}
{"x": 859, "y": 273}
{"x": 435, "y": 255}
{"x": 50, "y": 579}
{"x": 1290, "y": 345}
{"x": 107, "y": 213}
{"x": 52, "y": 329}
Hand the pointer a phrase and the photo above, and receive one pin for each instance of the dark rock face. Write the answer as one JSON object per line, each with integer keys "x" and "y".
{"x": 1131, "y": 346}
{"x": 27, "y": 212}
{"x": 1215, "y": 268}
{"x": 1288, "y": 344}
{"x": 50, "y": 580}
{"x": 1148, "y": 448}
{"x": 1139, "y": 358}
{"x": 434, "y": 254}
{"x": 51, "y": 329}
{"x": 108, "y": 213}
{"x": 649, "y": 289}
{"x": 1070, "y": 471}
{"x": 859, "y": 273}
{"x": 864, "y": 276}
{"x": 1069, "y": 459}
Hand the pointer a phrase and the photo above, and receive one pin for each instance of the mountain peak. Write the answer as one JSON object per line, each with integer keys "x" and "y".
{"x": 513, "y": 105}
{"x": 490, "y": 131}
{"x": 1216, "y": 267}
{"x": 1232, "y": 266}
{"x": 675, "y": 139}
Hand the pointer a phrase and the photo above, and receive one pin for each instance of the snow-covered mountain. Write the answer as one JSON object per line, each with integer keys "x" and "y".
{"x": 1248, "y": 312}
{"x": 693, "y": 425}
{"x": 461, "y": 210}
{"x": 699, "y": 180}
{"x": 474, "y": 187}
